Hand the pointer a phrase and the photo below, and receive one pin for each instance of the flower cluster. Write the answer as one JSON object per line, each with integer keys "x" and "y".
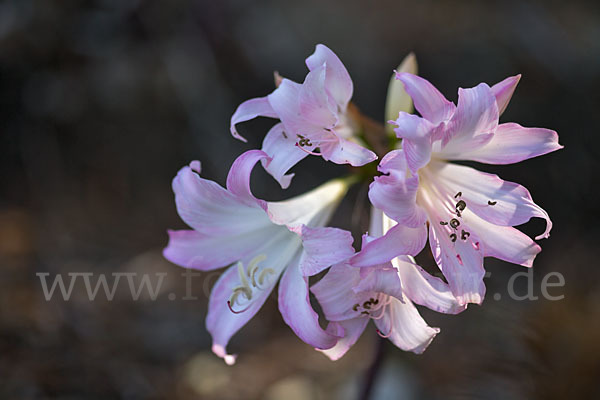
{"x": 421, "y": 196}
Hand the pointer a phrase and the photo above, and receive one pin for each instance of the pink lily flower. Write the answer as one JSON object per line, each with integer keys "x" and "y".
{"x": 313, "y": 116}
{"x": 383, "y": 292}
{"x": 470, "y": 214}
{"x": 262, "y": 241}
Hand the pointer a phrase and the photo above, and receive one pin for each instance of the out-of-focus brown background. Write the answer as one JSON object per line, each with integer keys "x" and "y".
{"x": 101, "y": 102}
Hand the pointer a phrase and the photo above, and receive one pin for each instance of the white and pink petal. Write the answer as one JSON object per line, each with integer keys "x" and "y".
{"x": 399, "y": 240}
{"x": 511, "y": 143}
{"x": 344, "y": 151}
{"x": 349, "y": 332}
{"x": 224, "y": 319}
{"x": 504, "y": 90}
{"x": 221, "y": 322}
{"x": 297, "y": 312}
{"x": 381, "y": 280}
{"x": 315, "y": 104}
{"x": 281, "y": 147}
{"x": 404, "y": 326}
{"x": 313, "y": 208}
{"x": 491, "y": 198}
{"x": 323, "y": 247}
{"x": 192, "y": 249}
{"x": 474, "y": 121}
{"x": 238, "y": 179}
{"x": 212, "y": 210}
{"x": 424, "y": 289}
{"x": 250, "y": 109}
{"x": 429, "y": 102}
{"x": 337, "y": 81}
{"x": 461, "y": 262}
{"x": 335, "y": 293}
{"x": 417, "y": 134}
{"x": 395, "y": 192}
{"x": 503, "y": 242}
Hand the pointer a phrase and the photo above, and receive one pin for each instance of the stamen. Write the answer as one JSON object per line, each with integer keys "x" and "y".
{"x": 256, "y": 260}
{"x": 245, "y": 287}
{"x": 253, "y": 267}
{"x": 237, "y": 312}
{"x": 382, "y": 307}
{"x": 308, "y": 151}
{"x": 381, "y": 314}
{"x": 233, "y": 299}
{"x": 460, "y": 261}
{"x": 475, "y": 245}
{"x": 242, "y": 274}
{"x": 306, "y": 142}
{"x": 391, "y": 328}
{"x": 247, "y": 291}
{"x": 263, "y": 274}
{"x": 384, "y": 336}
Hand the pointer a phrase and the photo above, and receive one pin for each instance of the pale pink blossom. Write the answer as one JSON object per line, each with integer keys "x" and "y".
{"x": 470, "y": 214}
{"x": 313, "y": 116}
{"x": 384, "y": 292}
{"x": 262, "y": 242}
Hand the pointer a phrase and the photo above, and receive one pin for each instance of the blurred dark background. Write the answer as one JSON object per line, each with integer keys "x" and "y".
{"x": 101, "y": 102}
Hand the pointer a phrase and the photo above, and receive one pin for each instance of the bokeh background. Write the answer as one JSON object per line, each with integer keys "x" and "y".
{"x": 101, "y": 102}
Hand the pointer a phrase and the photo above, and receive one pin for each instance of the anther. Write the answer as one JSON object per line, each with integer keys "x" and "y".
{"x": 355, "y": 307}
{"x": 454, "y": 223}
{"x": 263, "y": 274}
{"x": 453, "y": 237}
{"x": 443, "y": 223}
{"x": 492, "y": 203}
{"x": 457, "y": 195}
{"x": 245, "y": 290}
{"x": 461, "y": 205}
{"x": 464, "y": 235}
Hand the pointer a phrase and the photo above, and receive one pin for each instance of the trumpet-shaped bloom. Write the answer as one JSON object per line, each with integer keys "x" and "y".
{"x": 383, "y": 292}
{"x": 470, "y": 214}
{"x": 313, "y": 116}
{"x": 263, "y": 242}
